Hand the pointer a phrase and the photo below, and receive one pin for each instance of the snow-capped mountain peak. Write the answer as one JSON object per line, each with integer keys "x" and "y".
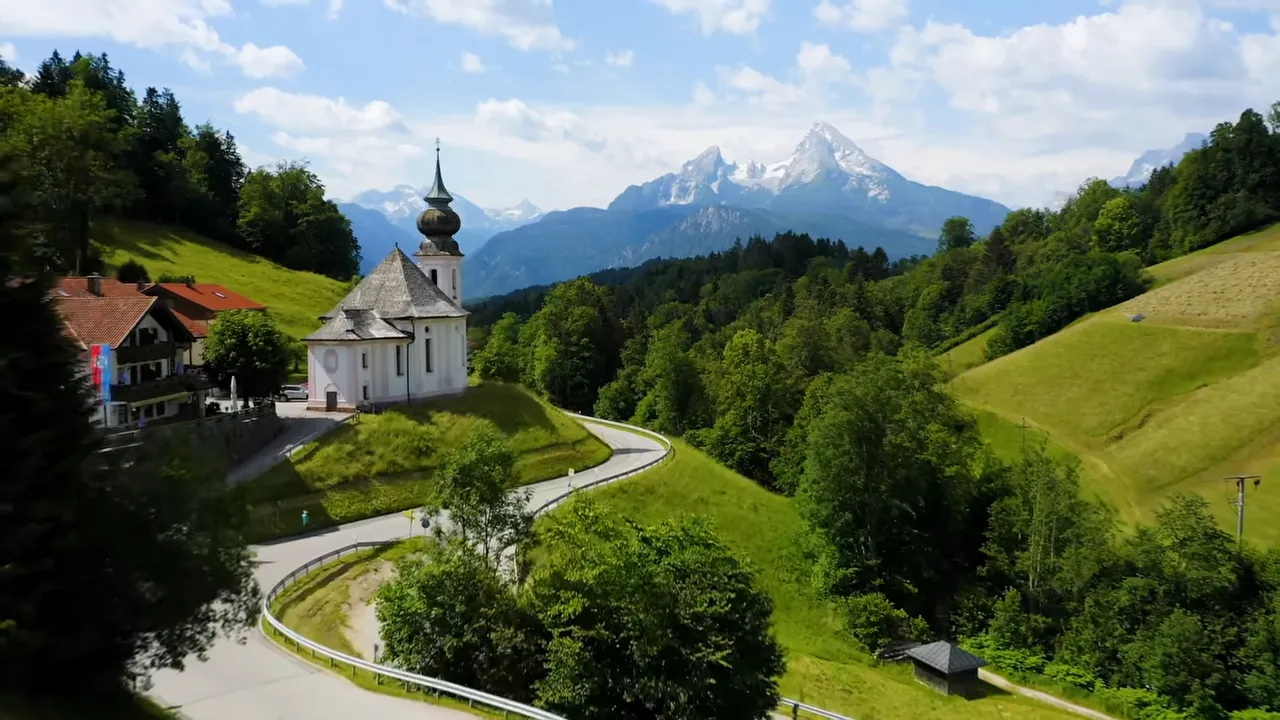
{"x": 707, "y": 163}
{"x": 522, "y": 212}
{"x": 1150, "y": 160}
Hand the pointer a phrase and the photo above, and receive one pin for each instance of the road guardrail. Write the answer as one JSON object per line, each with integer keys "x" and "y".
{"x": 470, "y": 695}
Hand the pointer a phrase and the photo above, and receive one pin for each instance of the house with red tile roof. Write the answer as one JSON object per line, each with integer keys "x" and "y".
{"x": 194, "y": 304}
{"x": 198, "y": 304}
{"x": 142, "y": 344}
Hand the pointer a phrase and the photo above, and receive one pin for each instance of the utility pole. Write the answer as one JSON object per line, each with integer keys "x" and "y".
{"x": 1024, "y": 435}
{"x": 1239, "y": 480}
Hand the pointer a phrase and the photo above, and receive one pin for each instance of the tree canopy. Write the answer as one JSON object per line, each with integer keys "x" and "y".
{"x": 112, "y": 564}
{"x": 247, "y": 346}
{"x": 87, "y": 148}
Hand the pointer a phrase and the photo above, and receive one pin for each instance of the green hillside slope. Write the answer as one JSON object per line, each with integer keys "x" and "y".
{"x": 384, "y": 463}
{"x": 824, "y": 666}
{"x": 294, "y": 298}
{"x": 1172, "y": 403}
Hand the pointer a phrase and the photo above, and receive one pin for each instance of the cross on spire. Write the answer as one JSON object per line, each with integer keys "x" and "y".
{"x": 437, "y": 146}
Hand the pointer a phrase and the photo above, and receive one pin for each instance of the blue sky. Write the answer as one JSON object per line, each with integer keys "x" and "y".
{"x": 567, "y": 102}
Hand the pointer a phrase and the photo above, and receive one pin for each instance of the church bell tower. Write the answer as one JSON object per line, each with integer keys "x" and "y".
{"x": 438, "y": 254}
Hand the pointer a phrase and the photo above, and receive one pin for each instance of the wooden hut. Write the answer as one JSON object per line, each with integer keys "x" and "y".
{"x": 946, "y": 668}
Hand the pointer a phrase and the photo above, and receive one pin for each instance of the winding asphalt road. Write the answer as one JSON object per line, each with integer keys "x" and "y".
{"x": 259, "y": 681}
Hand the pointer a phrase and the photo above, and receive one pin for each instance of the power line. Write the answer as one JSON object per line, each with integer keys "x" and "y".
{"x": 1239, "y": 480}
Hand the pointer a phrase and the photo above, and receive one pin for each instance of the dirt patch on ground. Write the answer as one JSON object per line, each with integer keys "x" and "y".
{"x": 362, "y": 621}
{"x": 1241, "y": 291}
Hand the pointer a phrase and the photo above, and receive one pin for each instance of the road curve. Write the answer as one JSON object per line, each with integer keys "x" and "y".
{"x": 258, "y": 680}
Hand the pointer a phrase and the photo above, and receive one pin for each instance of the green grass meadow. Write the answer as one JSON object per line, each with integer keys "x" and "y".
{"x": 825, "y": 668}
{"x": 296, "y": 299}
{"x": 1173, "y": 403}
{"x": 383, "y": 463}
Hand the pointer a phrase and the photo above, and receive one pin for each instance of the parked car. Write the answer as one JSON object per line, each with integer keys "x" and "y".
{"x": 291, "y": 392}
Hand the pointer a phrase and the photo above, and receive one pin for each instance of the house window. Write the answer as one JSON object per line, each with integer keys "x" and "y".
{"x": 364, "y": 360}
{"x": 160, "y": 408}
{"x": 426, "y": 350}
{"x": 433, "y": 277}
{"x": 122, "y": 414}
{"x": 455, "y": 283}
{"x": 364, "y": 390}
{"x": 399, "y": 367}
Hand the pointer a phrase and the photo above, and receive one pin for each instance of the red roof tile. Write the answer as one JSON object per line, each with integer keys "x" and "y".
{"x": 93, "y": 320}
{"x": 210, "y": 296}
{"x": 78, "y": 287}
{"x": 198, "y": 328}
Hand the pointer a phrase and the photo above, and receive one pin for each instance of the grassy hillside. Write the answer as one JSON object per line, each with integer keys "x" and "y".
{"x": 294, "y": 298}
{"x": 383, "y": 463}
{"x": 1172, "y": 403}
{"x": 824, "y": 667}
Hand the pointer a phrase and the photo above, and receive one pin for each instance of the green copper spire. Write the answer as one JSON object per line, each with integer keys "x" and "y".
{"x": 438, "y": 195}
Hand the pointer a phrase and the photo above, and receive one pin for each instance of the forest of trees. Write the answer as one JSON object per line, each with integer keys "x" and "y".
{"x": 88, "y": 148}
{"x": 809, "y": 368}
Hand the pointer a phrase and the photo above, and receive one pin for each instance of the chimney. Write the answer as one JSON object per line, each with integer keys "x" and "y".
{"x": 141, "y": 286}
{"x": 191, "y": 281}
{"x": 94, "y": 284}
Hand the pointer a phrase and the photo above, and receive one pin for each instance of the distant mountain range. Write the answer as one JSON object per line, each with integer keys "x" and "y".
{"x": 1148, "y": 161}
{"x": 827, "y": 187}
{"x": 398, "y": 209}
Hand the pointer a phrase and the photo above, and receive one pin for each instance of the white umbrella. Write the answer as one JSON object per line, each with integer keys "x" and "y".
{"x": 233, "y": 393}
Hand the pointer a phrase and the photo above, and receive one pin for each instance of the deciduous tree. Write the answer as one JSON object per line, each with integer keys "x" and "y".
{"x": 246, "y": 345}
{"x": 644, "y": 622}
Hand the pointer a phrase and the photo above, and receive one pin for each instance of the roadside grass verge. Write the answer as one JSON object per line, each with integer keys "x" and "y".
{"x": 825, "y": 668}
{"x": 384, "y": 463}
{"x": 295, "y": 298}
{"x": 314, "y": 607}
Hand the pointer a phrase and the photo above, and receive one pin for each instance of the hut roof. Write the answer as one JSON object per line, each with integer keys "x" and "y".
{"x": 945, "y": 657}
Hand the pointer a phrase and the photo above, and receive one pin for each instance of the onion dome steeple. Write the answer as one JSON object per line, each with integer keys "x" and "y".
{"x": 439, "y": 222}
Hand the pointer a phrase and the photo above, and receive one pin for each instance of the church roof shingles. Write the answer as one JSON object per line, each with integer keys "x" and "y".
{"x": 395, "y": 289}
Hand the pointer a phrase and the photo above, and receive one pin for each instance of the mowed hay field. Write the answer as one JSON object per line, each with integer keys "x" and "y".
{"x": 295, "y": 299}
{"x": 824, "y": 666}
{"x": 1173, "y": 403}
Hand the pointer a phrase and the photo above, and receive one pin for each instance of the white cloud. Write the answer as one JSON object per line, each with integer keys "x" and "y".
{"x": 735, "y": 17}
{"x": 8, "y": 52}
{"x": 471, "y": 63}
{"x": 278, "y": 3}
{"x": 622, "y": 58}
{"x": 817, "y": 63}
{"x": 760, "y": 88}
{"x": 526, "y": 24}
{"x": 151, "y": 24}
{"x": 702, "y": 95}
{"x": 313, "y": 113}
{"x": 274, "y": 61}
{"x": 1110, "y": 77}
{"x": 334, "y": 9}
{"x": 1033, "y": 111}
{"x": 816, "y": 69}
{"x": 862, "y": 15}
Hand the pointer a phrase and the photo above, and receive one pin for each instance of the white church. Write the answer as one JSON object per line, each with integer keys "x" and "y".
{"x": 401, "y": 334}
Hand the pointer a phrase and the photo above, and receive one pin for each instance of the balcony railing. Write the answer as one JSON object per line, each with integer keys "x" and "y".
{"x": 160, "y": 387}
{"x": 147, "y": 353}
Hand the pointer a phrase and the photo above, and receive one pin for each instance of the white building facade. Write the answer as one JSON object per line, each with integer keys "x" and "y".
{"x": 401, "y": 334}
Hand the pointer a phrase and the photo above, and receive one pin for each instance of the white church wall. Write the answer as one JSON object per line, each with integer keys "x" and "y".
{"x": 448, "y": 273}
